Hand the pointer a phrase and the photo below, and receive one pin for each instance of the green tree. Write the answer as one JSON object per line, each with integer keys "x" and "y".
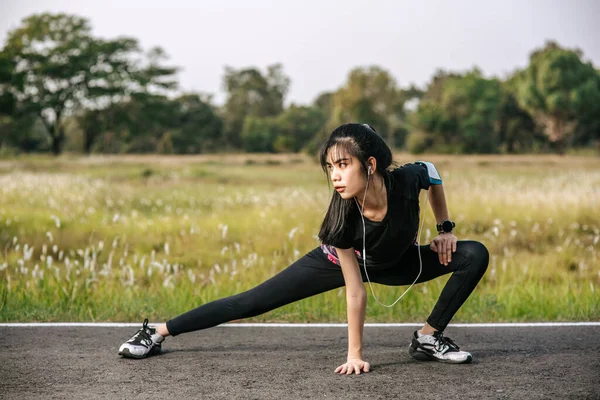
{"x": 370, "y": 95}
{"x": 459, "y": 113}
{"x": 142, "y": 121}
{"x": 19, "y": 131}
{"x": 559, "y": 90}
{"x": 587, "y": 132}
{"x": 324, "y": 103}
{"x": 412, "y": 92}
{"x": 471, "y": 103}
{"x": 184, "y": 125}
{"x": 198, "y": 128}
{"x": 92, "y": 124}
{"x": 290, "y": 131}
{"x": 516, "y": 128}
{"x": 7, "y": 99}
{"x": 60, "y": 66}
{"x": 296, "y": 126}
{"x": 258, "y": 134}
{"x": 251, "y": 93}
{"x": 134, "y": 125}
{"x": 410, "y": 98}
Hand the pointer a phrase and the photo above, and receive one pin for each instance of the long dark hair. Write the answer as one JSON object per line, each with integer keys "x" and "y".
{"x": 360, "y": 141}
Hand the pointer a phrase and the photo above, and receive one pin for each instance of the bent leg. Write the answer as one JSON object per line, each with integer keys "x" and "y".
{"x": 471, "y": 262}
{"x": 310, "y": 275}
{"x": 468, "y": 265}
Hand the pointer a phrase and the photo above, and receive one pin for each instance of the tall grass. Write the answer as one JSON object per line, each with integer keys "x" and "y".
{"x": 122, "y": 238}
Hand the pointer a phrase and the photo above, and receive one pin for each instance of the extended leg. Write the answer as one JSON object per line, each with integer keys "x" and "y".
{"x": 310, "y": 275}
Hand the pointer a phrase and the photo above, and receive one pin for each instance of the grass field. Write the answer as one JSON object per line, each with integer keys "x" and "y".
{"x": 126, "y": 237}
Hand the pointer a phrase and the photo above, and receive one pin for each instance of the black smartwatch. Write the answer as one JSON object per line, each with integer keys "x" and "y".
{"x": 445, "y": 227}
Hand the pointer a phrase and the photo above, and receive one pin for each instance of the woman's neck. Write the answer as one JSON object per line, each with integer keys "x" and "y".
{"x": 375, "y": 205}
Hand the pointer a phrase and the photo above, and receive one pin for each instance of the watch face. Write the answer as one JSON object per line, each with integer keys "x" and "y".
{"x": 447, "y": 226}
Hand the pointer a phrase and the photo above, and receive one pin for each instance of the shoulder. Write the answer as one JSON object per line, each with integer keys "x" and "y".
{"x": 404, "y": 179}
{"x": 418, "y": 169}
{"x": 409, "y": 170}
{"x": 416, "y": 176}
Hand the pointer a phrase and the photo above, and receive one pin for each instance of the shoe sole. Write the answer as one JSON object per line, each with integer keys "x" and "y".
{"x": 423, "y": 356}
{"x": 125, "y": 353}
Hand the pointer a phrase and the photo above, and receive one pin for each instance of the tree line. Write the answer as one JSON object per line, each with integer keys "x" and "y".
{"x": 61, "y": 89}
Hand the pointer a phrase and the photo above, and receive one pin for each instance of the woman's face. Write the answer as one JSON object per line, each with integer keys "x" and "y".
{"x": 346, "y": 174}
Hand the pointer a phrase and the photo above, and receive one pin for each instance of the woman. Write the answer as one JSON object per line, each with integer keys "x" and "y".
{"x": 373, "y": 209}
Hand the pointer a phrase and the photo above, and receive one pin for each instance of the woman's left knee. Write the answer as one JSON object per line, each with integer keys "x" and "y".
{"x": 476, "y": 253}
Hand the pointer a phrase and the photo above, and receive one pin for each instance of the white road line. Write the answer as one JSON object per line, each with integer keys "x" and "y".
{"x": 291, "y": 325}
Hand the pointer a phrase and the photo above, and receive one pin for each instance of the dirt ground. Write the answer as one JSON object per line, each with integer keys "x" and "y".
{"x": 297, "y": 363}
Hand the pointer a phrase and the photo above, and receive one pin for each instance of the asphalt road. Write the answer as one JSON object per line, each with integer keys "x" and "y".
{"x": 298, "y": 363}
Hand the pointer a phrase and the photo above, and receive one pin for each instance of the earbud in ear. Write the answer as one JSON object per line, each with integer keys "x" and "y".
{"x": 369, "y": 170}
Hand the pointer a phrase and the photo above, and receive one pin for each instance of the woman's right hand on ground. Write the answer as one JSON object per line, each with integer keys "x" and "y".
{"x": 353, "y": 365}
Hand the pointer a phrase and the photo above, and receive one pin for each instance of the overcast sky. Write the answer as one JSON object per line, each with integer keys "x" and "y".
{"x": 319, "y": 41}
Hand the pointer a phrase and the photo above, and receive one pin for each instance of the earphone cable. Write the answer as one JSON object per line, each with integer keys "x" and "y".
{"x": 360, "y": 209}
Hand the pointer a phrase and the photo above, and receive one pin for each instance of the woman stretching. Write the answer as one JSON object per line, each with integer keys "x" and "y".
{"x": 368, "y": 234}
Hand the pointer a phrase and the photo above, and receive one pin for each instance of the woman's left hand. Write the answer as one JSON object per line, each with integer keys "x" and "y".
{"x": 444, "y": 244}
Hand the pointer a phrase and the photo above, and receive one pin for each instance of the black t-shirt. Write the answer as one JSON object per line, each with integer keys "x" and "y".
{"x": 387, "y": 240}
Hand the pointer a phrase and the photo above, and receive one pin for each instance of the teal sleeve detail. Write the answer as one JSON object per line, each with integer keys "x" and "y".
{"x": 434, "y": 176}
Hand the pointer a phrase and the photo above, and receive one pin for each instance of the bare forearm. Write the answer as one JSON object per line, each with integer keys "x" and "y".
{"x": 356, "y": 306}
{"x": 356, "y": 301}
{"x": 437, "y": 199}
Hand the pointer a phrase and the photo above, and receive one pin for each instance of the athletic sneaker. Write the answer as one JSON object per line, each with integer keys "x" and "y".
{"x": 144, "y": 343}
{"x": 437, "y": 347}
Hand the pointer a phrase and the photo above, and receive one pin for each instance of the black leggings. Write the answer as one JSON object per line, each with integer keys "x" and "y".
{"x": 314, "y": 273}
